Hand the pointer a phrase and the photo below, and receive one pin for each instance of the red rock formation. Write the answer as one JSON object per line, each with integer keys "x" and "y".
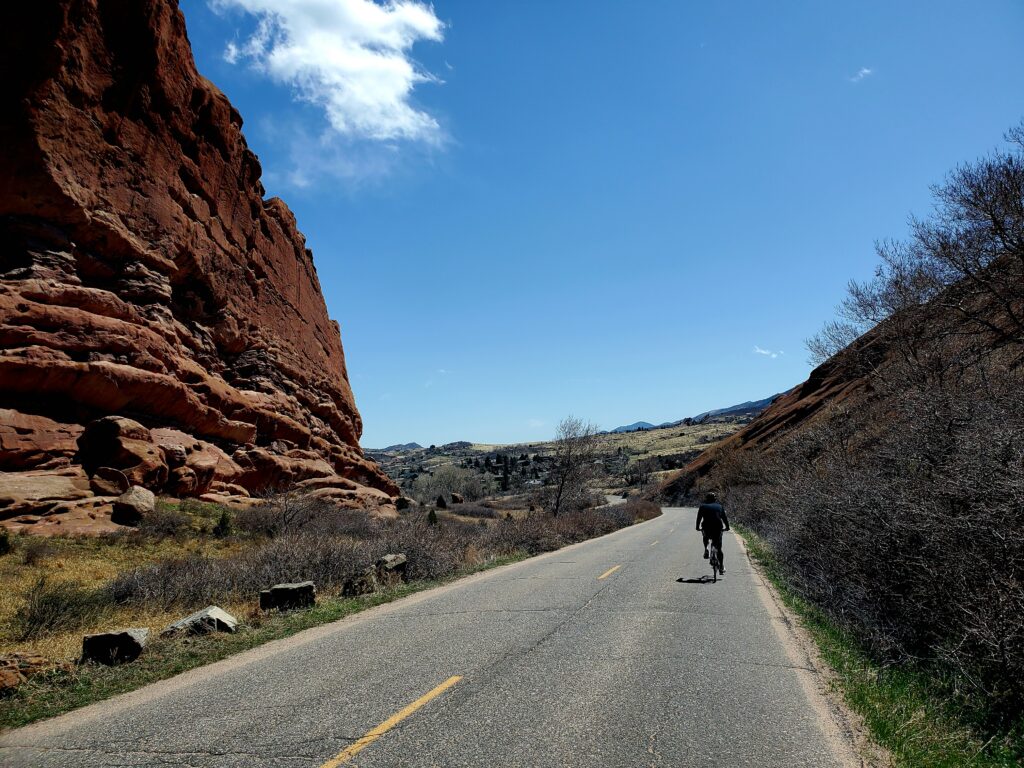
{"x": 142, "y": 272}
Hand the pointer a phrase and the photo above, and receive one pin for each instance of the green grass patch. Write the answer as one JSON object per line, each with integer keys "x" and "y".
{"x": 908, "y": 710}
{"x": 50, "y": 694}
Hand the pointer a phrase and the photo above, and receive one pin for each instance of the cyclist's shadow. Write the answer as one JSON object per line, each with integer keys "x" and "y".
{"x": 701, "y": 580}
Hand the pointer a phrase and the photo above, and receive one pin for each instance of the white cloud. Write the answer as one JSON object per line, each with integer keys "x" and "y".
{"x": 306, "y": 158}
{"x": 861, "y": 74}
{"x": 767, "y": 352}
{"x": 535, "y": 423}
{"x": 351, "y": 58}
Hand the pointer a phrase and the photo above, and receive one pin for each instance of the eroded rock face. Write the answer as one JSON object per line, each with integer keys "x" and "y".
{"x": 142, "y": 273}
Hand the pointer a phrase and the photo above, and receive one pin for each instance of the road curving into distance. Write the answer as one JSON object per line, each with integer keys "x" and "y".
{"x": 595, "y": 655}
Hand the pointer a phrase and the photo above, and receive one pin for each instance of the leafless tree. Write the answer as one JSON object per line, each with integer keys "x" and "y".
{"x": 573, "y": 465}
{"x": 967, "y": 259}
{"x": 639, "y": 472}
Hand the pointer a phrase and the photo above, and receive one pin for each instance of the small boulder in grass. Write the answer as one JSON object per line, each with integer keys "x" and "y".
{"x": 457, "y": 498}
{"x": 211, "y": 619}
{"x": 364, "y": 583}
{"x": 118, "y": 647}
{"x": 284, "y": 597}
{"x": 133, "y": 505}
{"x": 391, "y": 569}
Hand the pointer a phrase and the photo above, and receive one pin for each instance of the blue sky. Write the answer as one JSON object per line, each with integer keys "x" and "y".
{"x": 521, "y": 210}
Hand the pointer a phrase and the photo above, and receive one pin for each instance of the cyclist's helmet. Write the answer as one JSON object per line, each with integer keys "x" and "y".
{"x": 711, "y": 498}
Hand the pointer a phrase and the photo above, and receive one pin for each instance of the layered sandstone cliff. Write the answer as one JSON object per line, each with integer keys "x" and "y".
{"x": 144, "y": 275}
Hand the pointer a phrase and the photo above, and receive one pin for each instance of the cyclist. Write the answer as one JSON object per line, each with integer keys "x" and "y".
{"x": 712, "y": 520}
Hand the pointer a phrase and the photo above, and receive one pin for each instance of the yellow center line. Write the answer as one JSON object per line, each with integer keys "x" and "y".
{"x": 609, "y": 572}
{"x": 355, "y": 748}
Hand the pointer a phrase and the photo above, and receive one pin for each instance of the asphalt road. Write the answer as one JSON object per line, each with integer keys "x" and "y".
{"x": 596, "y": 655}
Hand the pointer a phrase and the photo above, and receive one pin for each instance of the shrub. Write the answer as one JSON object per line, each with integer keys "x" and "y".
{"x": 5, "y": 541}
{"x": 287, "y": 513}
{"x": 58, "y": 606}
{"x": 332, "y": 544}
{"x": 223, "y": 526}
{"x": 36, "y": 551}
{"x": 476, "y": 510}
{"x": 164, "y": 521}
{"x": 641, "y": 509}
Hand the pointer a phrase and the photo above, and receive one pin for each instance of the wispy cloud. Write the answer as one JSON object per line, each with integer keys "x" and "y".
{"x": 535, "y": 423}
{"x": 767, "y": 352}
{"x": 352, "y": 60}
{"x": 861, "y": 74}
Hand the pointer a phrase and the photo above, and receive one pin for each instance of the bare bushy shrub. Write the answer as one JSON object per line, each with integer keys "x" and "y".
{"x": 286, "y": 513}
{"x": 476, "y": 510}
{"x": 315, "y": 540}
{"x": 57, "y": 606}
{"x": 641, "y": 509}
{"x": 902, "y": 517}
{"x": 36, "y": 551}
{"x": 164, "y": 521}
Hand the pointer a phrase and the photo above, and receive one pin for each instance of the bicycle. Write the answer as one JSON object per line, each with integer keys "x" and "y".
{"x": 715, "y": 558}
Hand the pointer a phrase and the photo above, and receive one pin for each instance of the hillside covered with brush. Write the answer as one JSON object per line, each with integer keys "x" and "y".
{"x": 890, "y": 485}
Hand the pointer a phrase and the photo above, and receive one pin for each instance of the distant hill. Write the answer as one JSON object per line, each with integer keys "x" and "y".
{"x": 749, "y": 408}
{"x": 634, "y": 427}
{"x": 402, "y": 447}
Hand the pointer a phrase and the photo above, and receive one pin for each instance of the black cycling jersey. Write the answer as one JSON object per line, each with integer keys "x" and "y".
{"x": 712, "y": 517}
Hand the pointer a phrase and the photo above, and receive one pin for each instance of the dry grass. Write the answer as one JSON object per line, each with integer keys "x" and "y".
{"x": 88, "y": 564}
{"x": 76, "y": 586}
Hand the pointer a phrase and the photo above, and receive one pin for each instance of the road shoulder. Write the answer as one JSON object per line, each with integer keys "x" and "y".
{"x": 844, "y": 728}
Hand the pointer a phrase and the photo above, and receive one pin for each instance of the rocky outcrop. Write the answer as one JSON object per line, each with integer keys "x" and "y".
{"x": 144, "y": 276}
{"x": 212, "y": 618}
{"x": 119, "y": 647}
{"x": 284, "y": 597}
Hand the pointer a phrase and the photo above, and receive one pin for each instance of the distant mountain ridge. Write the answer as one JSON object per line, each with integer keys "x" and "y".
{"x": 749, "y": 408}
{"x": 634, "y": 427}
